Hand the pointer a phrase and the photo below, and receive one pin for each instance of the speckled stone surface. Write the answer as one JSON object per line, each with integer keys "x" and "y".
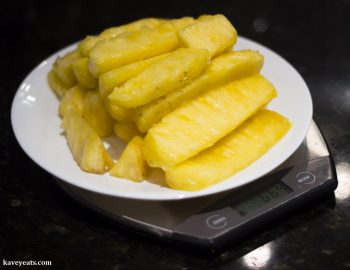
{"x": 38, "y": 221}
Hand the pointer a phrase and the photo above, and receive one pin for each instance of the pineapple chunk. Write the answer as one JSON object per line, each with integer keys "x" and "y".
{"x": 89, "y": 42}
{"x": 111, "y": 79}
{"x": 74, "y": 98}
{"x": 96, "y": 114}
{"x": 131, "y": 164}
{"x": 183, "y": 22}
{"x": 86, "y": 146}
{"x": 198, "y": 124}
{"x": 86, "y": 45}
{"x": 56, "y": 84}
{"x": 233, "y": 153}
{"x": 204, "y": 17}
{"x": 132, "y": 46}
{"x": 133, "y": 26}
{"x": 214, "y": 33}
{"x": 224, "y": 68}
{"x": 176, "y": 70}
{"x": 118, "y": 113}
{"x": 126, "y": 130}
{"x": 63, "y": 67}
{"x": 82, "y": 73}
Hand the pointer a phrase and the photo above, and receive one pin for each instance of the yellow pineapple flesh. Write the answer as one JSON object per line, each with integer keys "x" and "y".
{"x": 111, "y": 79}
{"x": 86, "y": 146}
{"x": 222, "y": 69}
{"x": 96, "y": 115}
{"x": 133, "y": 26}
{"x": 198, "y": 124}
{"x": 82, "y": 73}
{"x": 118, "y": 113}
{"x": 214, "y": 33}
{"x": 183, "y": 22}
{"x": 89, "y": 42}
{"x": 73, "y": 99}
{"x": 86, "y": 45}
{"x": 230, "y": 155}
{"x": 132, "y": 46}
{"x": 177, "y": 69}
{"x": 126, "y": 130}
{"x": 56, "y": 84}
{"x": 131, "y": 165}
{"x": 63, "y": 67}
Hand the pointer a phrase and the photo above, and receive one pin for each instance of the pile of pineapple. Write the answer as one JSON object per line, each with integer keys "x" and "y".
{"x": 175, "y": 92}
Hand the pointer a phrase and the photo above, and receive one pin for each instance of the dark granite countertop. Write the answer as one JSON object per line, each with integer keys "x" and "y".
{"x": 40, "y": 222}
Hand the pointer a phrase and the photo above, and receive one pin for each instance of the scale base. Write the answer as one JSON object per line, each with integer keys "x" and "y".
{"x": 181, "y": 220}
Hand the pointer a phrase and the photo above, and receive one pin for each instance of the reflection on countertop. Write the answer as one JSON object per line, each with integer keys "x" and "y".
{"x": 343, "y": 172}
{"x": 259, "y": 257}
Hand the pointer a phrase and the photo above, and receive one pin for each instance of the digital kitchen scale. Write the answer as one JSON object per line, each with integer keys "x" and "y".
{"x": 212, "y": 221}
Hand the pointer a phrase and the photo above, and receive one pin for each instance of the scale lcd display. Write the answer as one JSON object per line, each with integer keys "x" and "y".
{"x": 270, "y": 193}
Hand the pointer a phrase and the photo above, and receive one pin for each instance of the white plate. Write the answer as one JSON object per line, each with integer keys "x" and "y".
{"x": 37, "y": 128}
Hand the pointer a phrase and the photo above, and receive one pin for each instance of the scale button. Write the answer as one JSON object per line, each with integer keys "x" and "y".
{"x": 216, "y": 221}
{"x": 305, "y": 178}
